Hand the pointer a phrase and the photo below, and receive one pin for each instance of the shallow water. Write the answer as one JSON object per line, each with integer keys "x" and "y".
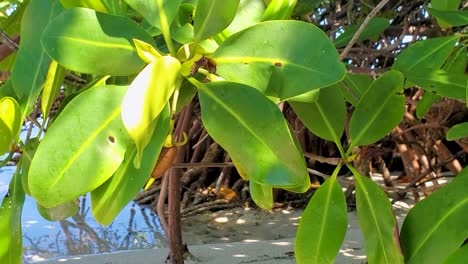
{"x": 133, "y": 228}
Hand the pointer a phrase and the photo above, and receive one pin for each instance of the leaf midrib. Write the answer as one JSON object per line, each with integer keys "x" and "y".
{"x": 94, "y": 43}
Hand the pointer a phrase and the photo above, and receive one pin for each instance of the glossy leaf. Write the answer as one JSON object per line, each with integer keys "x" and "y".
{"x": 212, "y": 16}
{"x": 323, "y": 225}
{"x": 436, "y": 226}
{"x": 29, "y": 150}
{"x": 425, "y": 103}
{"x": 279, "y": 9}
{"x": 82, "y": 148}
{"x": 354, "y": 86}
{"x": 261, "y": 194}
{"x": 459, "y": 256}
{"x": 268, "y": 153}
{"x": 256, "y": 57}
{"x": 379, "y": 110}
{"x": 425, "y": 54}
{"x": 458, "y": 131}
{"x": 325, "y": 114}
{"x": 443, "y": 83}
{"x": 159, "y": 13}
{"x": 453, "y": 18}
{"x": 32, "y": 62}
{"x": 10, "y": 224}
{"x": 375, "y": 26}
{"x": 112, "y": 196}
{"x": 52, "y": 85}
{"x": 91, "y": 4}
{"x": 10, "y": 122}
{"x": 146, "y": 52}
{"x": 146, "y": 98}
{"x": 377, "y": 222}
{"x": 249, "y": 13}
{"x": 79, "y": 38}
{"x": 59, "y": 212}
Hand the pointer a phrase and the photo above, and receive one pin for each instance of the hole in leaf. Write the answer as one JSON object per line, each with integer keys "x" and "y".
{"x": 111, "y": 139}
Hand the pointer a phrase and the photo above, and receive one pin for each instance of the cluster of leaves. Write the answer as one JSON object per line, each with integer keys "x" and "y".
{"x": 148, "y": 59}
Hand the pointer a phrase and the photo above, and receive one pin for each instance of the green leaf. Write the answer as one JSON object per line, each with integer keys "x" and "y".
{"x": 453, "y": 18}
{"x": 375, "y": 26}
{"x": 91, "y": 4}
{"x": 10, "y": 224}
{"x": 52, "y": 85}
{"x": 112, "y": 196}
{"x": 425, "y": 54}
{"x": 115, "y": 7}
{"x": 29, "y": 150}
{"x": 146, "y": 52}
{"x": 354, "y": 86}
{"x": 457, "y": 61}
{"x": 436, "y": 226}
{"x": 459, "y": 256}
{"x": 378, "y": 224}
{"x": 159, "y": 13}
{"x": 59, "y": 212}
{"x": 458, "y": 131}
{"x": 261, "y": 194}
{"x": 443, "y": 83}
{"x": 249, "y": 13}
{"x": 268, "y": 153}
{"x": 323, "y": 224}
{"x": 86, "y": 41}
{"x": 32, "y": 62}
{"x": 212, "y": 16}
{"x": 256, "y": 57}
{"x": 445, "y": 5}
{"x": 279, "y": 9}
{"x": 186, "y": 94}
{"x": 325, "y": 114}
{"x": 146, "y": 98}
{"x": 10, "y": 122}
{"x": 82, "y": 148}
{"x": 425, "y": 103}
{"x": 303, "y": 7}
{"x": 379, "y": 110}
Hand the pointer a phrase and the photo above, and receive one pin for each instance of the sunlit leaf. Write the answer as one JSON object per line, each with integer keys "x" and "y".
{"x": 86, "y": 41}
{"x": 32, "y": 62}
{"x": 59, "y": 212}
{"x": 459, "y": 256}
{"x": 146, "y": 98}
{"x": 261, "y": 194}
{"x": 249, "y": 13}
{"x": 279, "y": 9}
{"x": 379, "y": 110}
{"x": 52, "y": 85}
{"x": 212, "y": 16}
{"x": 159, "y": 13}
{"x": 445, "y": 5}
{"x": 146, "y": 52}
{"x": 436, "y": 226}
{"x": 453, "y": 18}
{"x": 443, "y": 83}
{"x": 268, "y": 153}
{"x": 458, "y": 131}
{"x": 82, "y": 148}
{"x": 377, "y": 222}
{"x": 323, "y": 225}
{"x": 112, "y": 196}
{"x": 10, "y": 122}
{"x": 95, "y": 4}
{"x": 375, "y": 26}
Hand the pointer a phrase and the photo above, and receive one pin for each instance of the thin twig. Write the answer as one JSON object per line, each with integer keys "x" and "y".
{"x": 362, "y": 27}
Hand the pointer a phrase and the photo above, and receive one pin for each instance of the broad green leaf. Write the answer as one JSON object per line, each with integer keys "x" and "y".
{"x": 453, "y": 18}
{"x": 323, "y": 224}
{"x": 425, "y": 54}
{"x": 303, "y": 7}
{"x": 443, "y": 83}
{"x": 146, "y": 52}
{"x": 377, "y": 222}
{"x": 10, "y": 224}
{"x": 425, "y": 103}
{"x": 249, "y": 13}
{"x": 186, "y": 93}
{"x": 52, "y": 85}
{"x": 325, "y": 114}
{"x": 112, "y": 196}
{"x": 91, "y": 4}
{"x": 279, "y": 9}
{"x": 212, "y": 16}
{"x": 86, "y": 41}
{"x": 29, "y": 150}
{"x": 268, "y": 153}
{"x": 59, "y": 212}
{"x": 82, "y": 148}
{"x": 256, "y": 57}
{"x": 459, "y": 256}
{"x": 436, "y": 226}
{"x": 261, "y": 194}
{"x": 375, "y": 26}
{"x": 146, "y": 98}
{"x": 379, "y": 110}
{"x": 10, "y": 122}
{"x": 115, "y": 7}
{"x": 354, "y": 86}
{"x": 458, "y": 131}
{"x": 457, "y": 61}
{"x": 32, "y": 62}
{"x": 445, "y": 5}
{"x": 159, "y": 13}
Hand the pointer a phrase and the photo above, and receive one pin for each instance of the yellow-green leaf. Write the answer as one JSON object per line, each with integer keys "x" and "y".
{"x": 10, "y": 122}
{"x": 51, "y": 88}
{"x": 146, "y": 52}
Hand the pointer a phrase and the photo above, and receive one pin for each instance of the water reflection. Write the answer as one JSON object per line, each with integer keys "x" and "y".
{"x": 133, "y": 228}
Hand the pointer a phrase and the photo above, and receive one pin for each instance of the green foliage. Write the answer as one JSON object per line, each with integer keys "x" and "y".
{"x": 10, "y": 122}
{"x": 375, "y": 26}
